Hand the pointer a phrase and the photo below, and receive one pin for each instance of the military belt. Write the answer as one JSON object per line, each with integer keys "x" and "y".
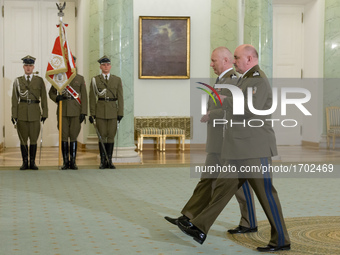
{"x": 107, "y": 99}
{"x": 68, "y": 97}
{"x": 30, "y": 101}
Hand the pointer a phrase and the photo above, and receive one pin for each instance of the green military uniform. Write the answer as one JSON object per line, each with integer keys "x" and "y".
{"x": 27, "y": 96}
{"x": 73, "y": 114}
{"x": 202, "y": 193}
{"x": 247, "y": 146}
{"x": 107, "y": 107}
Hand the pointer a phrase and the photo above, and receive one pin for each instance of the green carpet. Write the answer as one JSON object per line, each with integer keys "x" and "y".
{"x": 92, "y": 211}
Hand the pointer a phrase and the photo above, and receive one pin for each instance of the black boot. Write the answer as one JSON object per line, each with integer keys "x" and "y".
{"x": 33, "y": 152}
{"x": 109, "y": 150}
{"x": 102, "y": 157}
{"x": 73, "y": 153}
{"x": 24, "y": 155}
{"x": 64, "y": 150}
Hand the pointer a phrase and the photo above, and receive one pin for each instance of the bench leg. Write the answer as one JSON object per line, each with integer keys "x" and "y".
{"x": 164, "y": 138}
{"x": 183, "y": 142}
{"x": 141, "y": 143}
{"x": 160, "y": 143}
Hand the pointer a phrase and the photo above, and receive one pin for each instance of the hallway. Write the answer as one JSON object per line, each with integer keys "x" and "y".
{"x": 11, "y": 157}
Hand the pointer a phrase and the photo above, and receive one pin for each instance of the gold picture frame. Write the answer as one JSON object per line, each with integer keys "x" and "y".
{"x": 164, "y": 47}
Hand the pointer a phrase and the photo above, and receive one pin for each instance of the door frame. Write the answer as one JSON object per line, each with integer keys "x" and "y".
{"x": 44, "y": 23}
{"x": 313, "y": 64}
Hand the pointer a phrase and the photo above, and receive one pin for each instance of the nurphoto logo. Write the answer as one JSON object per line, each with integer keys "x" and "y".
{"x": 213, "y": 90}
{"x": 239, "y": 105}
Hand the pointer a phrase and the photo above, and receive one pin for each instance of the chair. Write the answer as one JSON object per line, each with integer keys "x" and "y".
{"x": 333, "y": 123}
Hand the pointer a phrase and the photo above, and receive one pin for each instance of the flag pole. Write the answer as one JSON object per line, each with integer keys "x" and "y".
{"x": 60, "y": 15}
{"x": 60, "y": 130}
{"x": 61, "y": 68}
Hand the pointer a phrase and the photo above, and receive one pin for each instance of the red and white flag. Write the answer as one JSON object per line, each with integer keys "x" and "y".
{"x": 61, "y": 68}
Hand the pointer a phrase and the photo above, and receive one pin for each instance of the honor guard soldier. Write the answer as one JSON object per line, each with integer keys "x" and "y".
{"x": 28, "y": 91}
{"x": 106, "y": 108}
{"x": 74, "y": 110}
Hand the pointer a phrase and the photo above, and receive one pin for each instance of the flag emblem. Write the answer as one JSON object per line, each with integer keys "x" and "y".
{"x": 61, "y": 68}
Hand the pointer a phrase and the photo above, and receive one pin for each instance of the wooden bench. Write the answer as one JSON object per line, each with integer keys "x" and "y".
{"x": 161, "y": 128}
{"x": 149, "y": 132}
{"x": 174, "y": 132}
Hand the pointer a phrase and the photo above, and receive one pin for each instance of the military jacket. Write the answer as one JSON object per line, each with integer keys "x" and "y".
{"x": 70, "y": 106}
{"x": 106, "y": 98}
{"x": 215, "y": 134}
{"x": 242, "y": 141}
{"x": 25, "y": 99}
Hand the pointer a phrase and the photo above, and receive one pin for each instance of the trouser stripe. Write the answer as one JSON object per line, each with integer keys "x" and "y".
{"x": 250, "y": 205}
{"x": 272, "y": 204}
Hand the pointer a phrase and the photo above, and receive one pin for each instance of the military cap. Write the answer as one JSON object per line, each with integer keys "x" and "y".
{"x": 104, "y": 59}
{"x": 28, "y": 60}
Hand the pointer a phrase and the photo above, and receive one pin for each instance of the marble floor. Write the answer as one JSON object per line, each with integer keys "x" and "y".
{"x": 11, "y": 157}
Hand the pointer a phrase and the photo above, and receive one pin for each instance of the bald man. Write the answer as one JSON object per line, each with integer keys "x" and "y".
{"x": 246, "y": 146}
{"x": 222, "y": 64}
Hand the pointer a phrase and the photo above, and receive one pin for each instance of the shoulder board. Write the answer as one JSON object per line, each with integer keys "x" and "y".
{"x": 256, "y": 73}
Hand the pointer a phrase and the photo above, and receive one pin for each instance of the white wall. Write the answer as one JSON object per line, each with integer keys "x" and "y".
{"x": 172, "y": 97}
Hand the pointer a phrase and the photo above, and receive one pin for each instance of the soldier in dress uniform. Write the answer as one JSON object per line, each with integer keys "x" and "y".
{"x": 28, "y": 91}
{"x": 74, "y": 110}
{"x": 222, "y": 63}
{"x": 106, "y": 107}
{"x": 246, "y": 146}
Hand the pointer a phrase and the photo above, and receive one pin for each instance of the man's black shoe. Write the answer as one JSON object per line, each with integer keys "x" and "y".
{"x": 171, "y": 220}
{"x": 184, "y": 221}
{"x": 33, "y": 166}
{"x": 194, "y": 232}
{"x": 269, "y": 248}
{"x": 242, "y": 230}
{"x": 175, "y": 220}
{"x": 24, "y": 165}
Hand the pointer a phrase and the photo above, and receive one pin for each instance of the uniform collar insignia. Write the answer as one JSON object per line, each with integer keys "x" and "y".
{"x": 256, "y": 73}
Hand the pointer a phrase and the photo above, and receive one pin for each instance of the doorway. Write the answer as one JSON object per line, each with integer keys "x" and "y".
{"x": 30, "y": 29}
{"x": 288, "y": 65}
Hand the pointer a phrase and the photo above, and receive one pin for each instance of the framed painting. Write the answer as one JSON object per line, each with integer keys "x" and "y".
{"x": 164, "y": 47}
